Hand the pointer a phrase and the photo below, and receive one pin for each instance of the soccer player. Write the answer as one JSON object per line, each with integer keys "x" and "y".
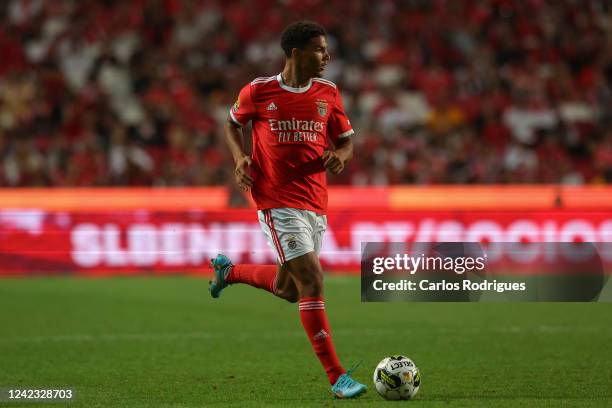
{"x": 296, "y": 117}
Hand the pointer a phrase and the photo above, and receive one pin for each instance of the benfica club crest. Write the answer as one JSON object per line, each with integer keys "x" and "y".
{"x": 321, "y": 107}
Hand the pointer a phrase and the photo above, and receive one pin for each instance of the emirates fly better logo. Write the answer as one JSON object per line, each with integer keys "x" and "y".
{"x": 296, "y": 130}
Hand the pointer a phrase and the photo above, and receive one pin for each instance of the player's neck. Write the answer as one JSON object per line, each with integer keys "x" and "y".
{"x": 292, "y": 78}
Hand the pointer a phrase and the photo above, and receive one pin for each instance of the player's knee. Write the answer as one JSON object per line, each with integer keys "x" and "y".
{"x": 312, "y": 285}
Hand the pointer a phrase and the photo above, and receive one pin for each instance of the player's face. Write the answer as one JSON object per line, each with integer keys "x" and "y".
{"x": 313, "y": 58}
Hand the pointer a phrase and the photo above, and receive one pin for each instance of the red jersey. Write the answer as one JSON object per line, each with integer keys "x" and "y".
{"x": 291, "y": 129}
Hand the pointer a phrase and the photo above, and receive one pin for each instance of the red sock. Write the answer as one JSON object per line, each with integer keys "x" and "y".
{"x": 259, "y": 276}
{"x": 314, "y": 320}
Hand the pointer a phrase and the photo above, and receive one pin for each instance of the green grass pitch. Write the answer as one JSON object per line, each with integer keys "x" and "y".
{"x": 161, "y": 341}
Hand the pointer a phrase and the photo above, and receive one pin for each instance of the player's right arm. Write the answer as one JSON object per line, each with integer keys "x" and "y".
{"x": 241, "y": 113}
{"x": 234, "y": 138}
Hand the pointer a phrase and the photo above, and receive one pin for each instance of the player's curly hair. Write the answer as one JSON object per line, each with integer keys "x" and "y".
{"x": 298, "y": 34}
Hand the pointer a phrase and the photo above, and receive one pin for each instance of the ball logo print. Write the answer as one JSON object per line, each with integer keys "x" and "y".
{"x": 417, "y": 379}
{"x": 392, "y": 381}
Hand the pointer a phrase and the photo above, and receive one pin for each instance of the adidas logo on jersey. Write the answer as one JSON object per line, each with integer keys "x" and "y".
{"x": 272, "y": 107}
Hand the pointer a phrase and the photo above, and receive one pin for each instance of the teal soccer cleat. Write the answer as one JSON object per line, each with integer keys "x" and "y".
{"x": 347, "y": 387}
{"x": 221, "y": 265}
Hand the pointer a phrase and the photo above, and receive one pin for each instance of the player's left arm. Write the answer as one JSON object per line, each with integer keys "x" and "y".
{"x": 336, "y": 160}
{"x": 340, "y": 132}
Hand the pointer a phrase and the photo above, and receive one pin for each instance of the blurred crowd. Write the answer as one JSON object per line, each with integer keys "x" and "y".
{"x": 99, "y": 93}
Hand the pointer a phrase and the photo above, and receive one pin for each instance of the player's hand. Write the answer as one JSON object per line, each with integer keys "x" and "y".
{"x": 332, "y": 162}
{"x": 243, "y": 176}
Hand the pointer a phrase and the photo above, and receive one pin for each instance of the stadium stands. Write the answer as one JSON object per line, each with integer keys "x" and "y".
{"x": 116, "y": 93}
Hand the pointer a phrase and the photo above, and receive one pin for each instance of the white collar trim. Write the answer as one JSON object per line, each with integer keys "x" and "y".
{"x": 286, "y": 87}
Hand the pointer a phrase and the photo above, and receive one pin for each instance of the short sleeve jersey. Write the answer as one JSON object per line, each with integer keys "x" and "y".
{"x": 291, "y": 129}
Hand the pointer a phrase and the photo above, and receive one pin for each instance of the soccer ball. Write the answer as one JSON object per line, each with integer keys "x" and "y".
{"x": 397, "y": 378}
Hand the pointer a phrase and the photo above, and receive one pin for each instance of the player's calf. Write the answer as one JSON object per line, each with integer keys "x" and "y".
{"x": 307, "y": 275}
{"x": 310, "y": 285}
{"x": 289, "y": 294}
{"x": 284, "y": 286}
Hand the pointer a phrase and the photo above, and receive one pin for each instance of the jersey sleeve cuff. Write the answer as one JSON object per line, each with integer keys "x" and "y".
{"x": 236, "y": 121}
{"x": 347, "y": 133}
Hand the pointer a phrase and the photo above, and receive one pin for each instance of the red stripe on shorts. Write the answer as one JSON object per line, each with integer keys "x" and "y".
{"x": 270, "y": 222}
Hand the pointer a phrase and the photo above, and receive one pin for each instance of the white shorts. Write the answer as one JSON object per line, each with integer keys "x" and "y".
{"x": 292, "y": 232}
